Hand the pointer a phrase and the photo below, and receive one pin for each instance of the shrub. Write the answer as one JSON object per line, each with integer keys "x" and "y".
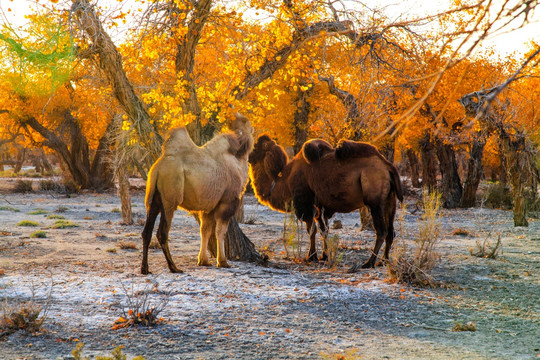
{"x": 25, "y": 316}
{"x": 416, "y": 269}
{"x": 48, "y": 185}
{"x": 498, "y": 196}
{"x": 332, "y": 251}
{"x": 115, "y": 210}
{"x": 39, "y": 234}
{"x": 292, "y": 236}
{"x": 70, "y": 187}
{"x": 54, "y": 216}
{"x": 127, "y": 245}
{"x": 23, "y": 186}
{"x": 486, "y": 249}
{"x": 116, "y": 354}
{"x": 61, "y": 209}
{"x": 38, "y": 212}
{"x": 139, "y": 310}
{"x": 27, "y": 223}
{"x": 9, "y": 208}
{"x": 63, "y": 224}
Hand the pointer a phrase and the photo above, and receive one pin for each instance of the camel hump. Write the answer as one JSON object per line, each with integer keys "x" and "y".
{"x": 177, "y": 140}
{"x": 314, "y": 150}
{"x": 347, "y": 149}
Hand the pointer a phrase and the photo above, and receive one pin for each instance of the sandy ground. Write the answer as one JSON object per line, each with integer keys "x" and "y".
{"x": 290, "y": 310}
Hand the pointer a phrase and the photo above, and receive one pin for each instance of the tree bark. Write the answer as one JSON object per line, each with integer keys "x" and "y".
{"x": 451, "y": 188}
{"x": 512, "y": 142}
{"x": 414, "y": 168}
{"x": 123, "y": 192}
{"x": 474, "y": 171}
{"x": 429, "y": 163}
{"x": 301, "y": 117}
{"x": 110, "y": 62}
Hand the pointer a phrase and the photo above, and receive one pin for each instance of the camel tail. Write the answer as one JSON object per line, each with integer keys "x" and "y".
{"x": 151, "y": 185}
{"x": 396, "y": 182}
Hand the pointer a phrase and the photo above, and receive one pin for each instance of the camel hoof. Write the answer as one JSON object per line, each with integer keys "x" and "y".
{"x": 204, "y": 263}
{"x": 223, "y": 265}
{"x": 145, "y": 272}
{"x": 176, "y": 271}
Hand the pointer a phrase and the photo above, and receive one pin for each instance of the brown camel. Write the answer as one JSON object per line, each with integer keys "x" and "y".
{"x": 207, "y": 180}
{"x": 321, "y": 181}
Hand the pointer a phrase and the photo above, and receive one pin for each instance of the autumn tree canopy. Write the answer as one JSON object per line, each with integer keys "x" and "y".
{"x": 299, "y": 69}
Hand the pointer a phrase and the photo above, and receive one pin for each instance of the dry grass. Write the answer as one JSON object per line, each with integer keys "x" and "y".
{"x": 23, "y": 186}
{"x": 292, "y": 236}
{"x": 26, "y": 315}
{"x": 139, "y": 310}
{"x": 116, "y": 354}
{"x": 127, "y": 245}
{"x": 416, "y": 268}
{"x": 486, "y": 249}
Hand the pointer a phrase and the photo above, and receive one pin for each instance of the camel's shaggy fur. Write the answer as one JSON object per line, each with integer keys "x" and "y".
{"x": 321, "y": 181}
{"x": 207, "y": 180}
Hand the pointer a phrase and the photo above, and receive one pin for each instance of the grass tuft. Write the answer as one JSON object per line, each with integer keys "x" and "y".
{"x": 63, "y": 224}
{"x": 27, "y": 223}
{"x": 39, "y": 234}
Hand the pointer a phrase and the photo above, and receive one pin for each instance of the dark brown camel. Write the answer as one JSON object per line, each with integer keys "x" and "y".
{"x": 321, "y": 180}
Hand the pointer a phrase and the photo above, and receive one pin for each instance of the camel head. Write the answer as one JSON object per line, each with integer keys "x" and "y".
{"x": 241, "y": 124}
{"x": 268, "y": 155}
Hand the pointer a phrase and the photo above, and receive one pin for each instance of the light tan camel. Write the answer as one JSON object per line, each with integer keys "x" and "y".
{"x": 207, "y": 180}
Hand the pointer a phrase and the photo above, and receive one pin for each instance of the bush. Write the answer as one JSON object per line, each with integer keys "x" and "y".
{"x": 27, "y": 223}
{"x": 38, "y": 212}
{"x": 25, "y": 316}
{"x": 416, "y": 269}
{"x": 49, "y": 185}
{"x": 117, "y": 354}
{"x": 485, "y": 249}
{"x": 39, "y": 234}
{"x": 139, "y": 310}
{"x": 63, "y": 224}
{"x": 498, "y": 196}
{"x": 23, "y": 186}
{"x": 292, "y": 236}
{"x": 127, "y": 245}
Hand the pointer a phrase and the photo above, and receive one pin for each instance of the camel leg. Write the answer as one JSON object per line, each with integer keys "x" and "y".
{"x": 323, "y": 227}
{"x": 312, "y": 231}
{"x": 163, "y": 236}
{"x": 381, "y": 231}
{"x": 223, "y": 214}
{"x": 207, "y": 229}
{"x": 221, "y": 230}
{"x": 391, "y": 209}
{"x": 151, "y": 215}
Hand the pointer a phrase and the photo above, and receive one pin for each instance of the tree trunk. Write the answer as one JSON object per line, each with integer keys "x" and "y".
{"x": 503, "y": 174}
{"x": 513, "y": 145}
{"x": 450, "y": 182}
{"x": 110, "y": 61}
{"x": 429, "y": 163}
{"x": 414, "y": 168}
{"x": 474, "y": 171}
{"x": 21, "y": 157}
{"x": 301, "y": 118}
{"x": 123, "y": 192}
